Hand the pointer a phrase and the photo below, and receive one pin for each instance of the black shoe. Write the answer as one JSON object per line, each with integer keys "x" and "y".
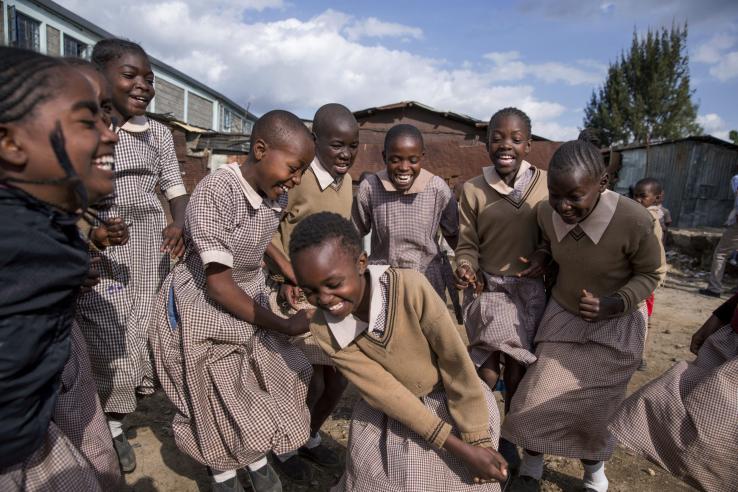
{"x": 231, "y": 485}
{"x": 265, "y": 479}
{"x": 126, "y": 456}
{"x": 320, "y": 454}
{"x": 509, "y": 451}
{"x": 709, "y": 293}
{"x": 294, "y": 468}
{"x": 524, "y": 483}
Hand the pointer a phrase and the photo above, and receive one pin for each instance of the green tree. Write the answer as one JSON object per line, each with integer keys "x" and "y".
{"x": 646, "y": 96}
{"x": 733, "y": 136}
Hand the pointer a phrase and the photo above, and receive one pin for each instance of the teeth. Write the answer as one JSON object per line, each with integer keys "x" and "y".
{"x": 335, "y": 307}
{"x": 284, "y": 188}
{"x": 403, "y": 178}
{"x": 105, "y": 162}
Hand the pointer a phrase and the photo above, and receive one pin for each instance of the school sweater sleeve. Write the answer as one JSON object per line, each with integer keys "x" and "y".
{"x": 170, "y": 176}
{"x": 450, "y": 216}
{"x": 381, "y": 390}
{"x": 648, "y": 263}
{"x": 361, "y": 209}
{"x": 467, "y": 251}
{"x": 466, "y": 401}
{"x": 211, "y": 232}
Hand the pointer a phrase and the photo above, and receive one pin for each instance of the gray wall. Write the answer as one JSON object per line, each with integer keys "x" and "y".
{"x": 2, "y": 24}
{"x": 169, "y": 99}
{"x": 199, "y": 111}
{"x": 53, "y": 39}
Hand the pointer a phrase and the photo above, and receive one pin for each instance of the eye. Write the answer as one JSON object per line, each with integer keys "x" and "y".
{"x": 414, "y": 160}
{"x": 355, "y": 145}
{"x": 334, "y": 285}
{"x": 150, "y": 81}
{"x": 128, "y": 75}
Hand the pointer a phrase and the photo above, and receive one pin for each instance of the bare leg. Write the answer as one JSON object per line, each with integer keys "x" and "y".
{"x": 490, "y": 370}
{"x": 333, "y": 386}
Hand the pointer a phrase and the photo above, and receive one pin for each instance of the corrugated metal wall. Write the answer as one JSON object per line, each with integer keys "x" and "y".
{"x": 696, "y": 178}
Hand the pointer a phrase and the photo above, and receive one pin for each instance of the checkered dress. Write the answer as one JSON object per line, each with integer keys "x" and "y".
{"x": 56, "y": 466}
{"x": 686, "y": 420}
{"x": 79, "y": 416}
{"x": 239, "y": 390}
{"x": 383, "y": 454}
{"x": 569, "y": 395}
{"x": 404, "y": 227}
{"x": 115, "y": 316}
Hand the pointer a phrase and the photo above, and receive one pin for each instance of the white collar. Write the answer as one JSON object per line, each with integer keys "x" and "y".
{"x": 595, "y": 224}
{"x": 136, "y": 124}
{"x": 347, "y": 329}
{"x": 493, "y": 178}
{"x": 249, "y": 192}
{"x": 324, "y": 177}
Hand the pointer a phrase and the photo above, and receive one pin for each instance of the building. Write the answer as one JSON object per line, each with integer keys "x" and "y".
{"x": 695, "y": 173}
{"x": 454, "y": 143}
{"x": 49, "y": 28}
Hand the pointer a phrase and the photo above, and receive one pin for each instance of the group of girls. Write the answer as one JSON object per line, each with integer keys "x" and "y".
{"x": 255, "y": 360}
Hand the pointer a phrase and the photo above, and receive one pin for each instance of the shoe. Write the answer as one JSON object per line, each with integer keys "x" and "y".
{"x": 509, "y": 451}
{"x": 231, "y": 485}
{"x": 709, "y": 293}
{"x": 294, "y": 468}
{"x": 643, "y": 366}
{"x": 126, "y": 456}
{"x": 320, "y": 454}
{"x": 524, "y": 483}
{"x": 265, "y": 479}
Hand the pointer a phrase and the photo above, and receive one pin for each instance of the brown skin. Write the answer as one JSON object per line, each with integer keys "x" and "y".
{"x": 25, "y": 149}
{"x": 712, "y": 325}
{"x": 336, "y": 147}
{"x": 266, "y": 170}
{"x": 335, "y": 281}
{"x": 646, "y": 196}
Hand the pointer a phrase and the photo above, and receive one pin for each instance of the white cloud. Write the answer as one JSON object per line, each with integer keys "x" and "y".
{"x": 508, "y": 65}
{"x": 726, "y": 68}
{"x": 375, "y": 28}
{"x": 714, "y": 125}
{"x": 712, "y": 50}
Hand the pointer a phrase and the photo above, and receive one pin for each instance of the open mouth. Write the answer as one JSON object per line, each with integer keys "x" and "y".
{"x": 104, "y": 162}
{"x": 403, "y": 179}
{"x": 341, "y": 168}
{"x": 505, "y": 159}
{"x": 141, "y": 100}
{"x": 336, "y": 307}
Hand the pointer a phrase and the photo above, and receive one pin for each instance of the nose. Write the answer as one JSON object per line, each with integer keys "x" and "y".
{"x": 324, "y": 298}
{"x": 297, "y": 177}
{"x": 344, "y": 154}
{"x": 107, "y": 135}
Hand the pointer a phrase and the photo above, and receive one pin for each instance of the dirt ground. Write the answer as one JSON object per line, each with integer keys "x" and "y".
{"x": 678, "y": 313}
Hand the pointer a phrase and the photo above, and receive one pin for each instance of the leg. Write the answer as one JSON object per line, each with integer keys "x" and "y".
{"x": 126, "y": 456}
{"x": 594, "y": 476}
{"x": 514, "y": 372}
{"x": 490, "y": 370}
{"x": 333, "y": 384}
{"x": 727, "y": 245}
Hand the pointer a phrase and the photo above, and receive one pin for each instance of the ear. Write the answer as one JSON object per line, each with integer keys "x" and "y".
{"x": 604, "y": 181}
{"x": 315, "y": 137}
{"x": 362, "y": 262}
{"x": 528, "y": 146}
{"x": 384, "y": 157}
{"x": 11, "y": 150}
{"x": 259, "y": 149}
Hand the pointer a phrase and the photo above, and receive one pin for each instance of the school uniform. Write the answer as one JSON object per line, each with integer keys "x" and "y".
{"x": 568, "y": 396}
{"x": 43, "y": 262}
{"x": 418, "y": 385}
{"x": 404, "y": 224}
{"x": 498, "y": 226}
{"x": 317, "y": 192}
{"x": 239, "y": 389}
{"x": 114, "y": 317}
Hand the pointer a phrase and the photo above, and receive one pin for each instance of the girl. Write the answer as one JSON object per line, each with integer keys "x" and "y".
{"x": 404, "y": 206}
{"x": 238, "y": 385}
{"x": 590, "y": 340}
{"x": 685, "y": 420}
{"x": 426, "y": 422}
{"x": 115, "y": 316}
{"x": 50, "y": 135}
{"x": 499, "y": 231}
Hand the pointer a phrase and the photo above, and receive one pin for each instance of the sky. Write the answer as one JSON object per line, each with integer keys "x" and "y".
{"x": 474, "y": 57}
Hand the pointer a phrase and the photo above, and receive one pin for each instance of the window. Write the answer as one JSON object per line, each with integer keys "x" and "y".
{"x": 74, "y": 47}
{"x": 24, "y": 31}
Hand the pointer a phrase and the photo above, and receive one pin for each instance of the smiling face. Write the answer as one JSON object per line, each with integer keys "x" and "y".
{"x": 403, "y": 157}
{"x": 337, "y": 146}
{"x": 278, "y": 170}
{"x": 332, "y": 278}
{"x": 574, "y": 194}
{"x": 509, "y": 143}
{"x": 132, "y": 82}
{"x": 646, "y": 195}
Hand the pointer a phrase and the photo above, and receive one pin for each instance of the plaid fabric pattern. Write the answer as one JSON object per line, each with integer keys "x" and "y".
{"x": 56, "y": 466}
{"x": 404, "y": 227}
{"x": 239, "y": 390}
{"x": 380, "y": 323}
{"x": 79, "y": 416}
{"x": 686, "y": 420}
{"x": 115, "y": 316}
{"x": 569, "y": 395}
{"x": 383, "y": 454}
{"x": 504, "y": 317}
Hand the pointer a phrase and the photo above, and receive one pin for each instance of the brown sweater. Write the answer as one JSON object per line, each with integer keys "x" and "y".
{"x": 628, "y": 260}
{"x": 306, "y": 199}
{"x": 494, "y": 231}
{"x": 420, "y": 349}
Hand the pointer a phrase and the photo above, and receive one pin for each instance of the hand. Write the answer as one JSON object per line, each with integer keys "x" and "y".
{"x": 536, "y": 264}
{"x": 291, "y": 294}
{"x": 465, "y": 277}
{"x": 593, "y": 308}
{"x": 299, "y": 323}
{"x": 712, "y": 325}
{"x": 486, "y": 464}
{"x": 92, "y": 278}
{"x": 172, "y": 242}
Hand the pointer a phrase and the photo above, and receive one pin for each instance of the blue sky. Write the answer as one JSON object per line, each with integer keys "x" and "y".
{"x": 471, "y": 57}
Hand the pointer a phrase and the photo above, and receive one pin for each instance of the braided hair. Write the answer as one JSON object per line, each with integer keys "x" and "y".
{"x": 402, "y": 130}
{"x": 578, "y": 155}
{"x": 111, "y": 49}
{"x": 318, "y": 228}
{"x": 26, "y": 80}
{"x": 505, "y": 112}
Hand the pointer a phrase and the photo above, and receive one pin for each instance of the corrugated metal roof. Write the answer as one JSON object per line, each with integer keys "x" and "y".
{"x": 694, "y": 138}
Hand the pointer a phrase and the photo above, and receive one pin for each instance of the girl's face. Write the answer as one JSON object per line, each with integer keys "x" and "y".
{"x": 574, "y": 194}
{"x": 132, "y": 82}
{"x": 279, "y": 170}
{"x": 25, "y": 148}
{"x": 403, "y": 158}
{"x": 331, "y": 278}
{"x": 508, "y": 144}
{"x": 337, "y": 148}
